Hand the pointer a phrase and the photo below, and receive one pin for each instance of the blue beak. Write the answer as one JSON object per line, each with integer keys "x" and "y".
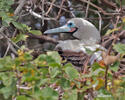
{"x": 62, "y": 29}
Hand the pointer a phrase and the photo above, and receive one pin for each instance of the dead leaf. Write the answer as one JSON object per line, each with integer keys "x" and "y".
{"x": 109, "y": 59}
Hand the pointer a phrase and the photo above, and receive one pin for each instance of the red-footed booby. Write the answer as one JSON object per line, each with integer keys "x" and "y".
{"x": 87, "y": 38}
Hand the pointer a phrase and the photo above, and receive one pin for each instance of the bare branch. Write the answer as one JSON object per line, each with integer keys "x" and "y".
{"x": 39, "y": 16}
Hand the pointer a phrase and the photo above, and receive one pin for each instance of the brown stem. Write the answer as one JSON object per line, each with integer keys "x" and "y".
{"x": 110, "y": 4}
{"x": 100, "y": 9}
{"x": 42, "y": 37}
{"x": 106, "y": 76}
{"x": 60, "y": 9}
{"x": 50, "y": 7}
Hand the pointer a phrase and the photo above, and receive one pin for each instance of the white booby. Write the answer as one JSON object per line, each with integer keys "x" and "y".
{"x": 87, "y": 38}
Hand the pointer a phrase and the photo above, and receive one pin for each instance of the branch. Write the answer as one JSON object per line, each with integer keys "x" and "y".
{"x": 86, "y": 15}
{"x": 20, "y": 6}
{"x": 39, "y": 16}
{"x": 110, "y": 4}
{"x": 100, "y": 9}
{"x": 57, "y": 6}
{"x": 61, "y": 6}
{"x": 50, "y": 7}
{"x": 106, "y": 76}
{"x": 42, "y": 37}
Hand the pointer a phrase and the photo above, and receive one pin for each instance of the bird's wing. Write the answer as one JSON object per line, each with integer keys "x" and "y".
{"x": 78, "y": 59}
{"x": 75, "y": 51}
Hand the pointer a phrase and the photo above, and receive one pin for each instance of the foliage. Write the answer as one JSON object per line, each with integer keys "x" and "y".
{"x": 39, "y": 77}
{"x": 120, "y": 48}
{"x": 5, "y": 5}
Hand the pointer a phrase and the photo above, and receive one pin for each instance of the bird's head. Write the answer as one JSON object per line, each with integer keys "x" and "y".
{"x": 79, "y": 28}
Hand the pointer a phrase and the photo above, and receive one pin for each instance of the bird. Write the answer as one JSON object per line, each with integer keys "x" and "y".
{"x": 84, "y": 46}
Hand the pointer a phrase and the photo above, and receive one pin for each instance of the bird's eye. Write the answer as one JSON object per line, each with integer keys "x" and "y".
{"x": 70, "y": 24}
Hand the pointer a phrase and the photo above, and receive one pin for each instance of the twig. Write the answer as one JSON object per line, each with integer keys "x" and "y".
{"x": 115, "y": 39}
{"x": 70, "y": 8}
{"x": 105, "y": 42}
{"x": 110, "y": 4}
{"x": 43, "y": 37}
{"x": 43, "y": 1}
{"x": 39, "y": 16}
{"x": 9, "y": 40}
{"x": 86, "y": 15}
{"x": 100, "y": 9}
{"x": 100, "y": 21}
{"x": 13, "y": 49}
{"x": 86, "y": 64}
{"x": 19, "y": 8}
{"x": 18, "y": 82}
{"x": 23, "y": 87}
{"x": 60, "y": 9}
{"x": 106, "y": 76}
{"x": 50, "y": 7}
{"x": 2, "y": 29}
{"x": 7, "y": 49}
{"x": 58, "y": 6}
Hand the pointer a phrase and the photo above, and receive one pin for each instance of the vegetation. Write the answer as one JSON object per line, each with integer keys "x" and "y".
{"x": 24, "y": 76}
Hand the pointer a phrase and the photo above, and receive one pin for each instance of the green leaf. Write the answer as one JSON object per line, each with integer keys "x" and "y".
{"x": 6, "y": 21}
{"x": 115, "y": 66}
{"x": 49, "y": 94}
{"x": 6, "y": 91}
{"x": 5, "y": 18}
{"x": 22, "y": 27}
{"x": 21, "y": 97}
{"x": 104, "y": 97}
{"x": 43, "y": 82}
{"x": 55, "y": 56}
{"x": 35, "y": 32}
{"x": 28, "y": 56}
{"x": 67, "y": 65}
{"x": 95, "y": 66}
{"x": 54, "y": 72}
{"x": 18, "y": 25}
{"x": 98, "y": 71}
{"x": 41, "y": 60}
{"x": 8, "y": 65}
{"x": 72, "y": 73}
{"x": 19, "y": 38}
{"x": 1, "y": 66}
{"x": 65, "y": 83}
{"x": 5, "y": 79}
{"x": 9, "y": 90}
{"x": 3, "y": 14}
{"x": 52, "y": 59}
{"x": 70, "y": 95}
{"x": 119, "y": 48}
{"x": 110, "y": 31}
